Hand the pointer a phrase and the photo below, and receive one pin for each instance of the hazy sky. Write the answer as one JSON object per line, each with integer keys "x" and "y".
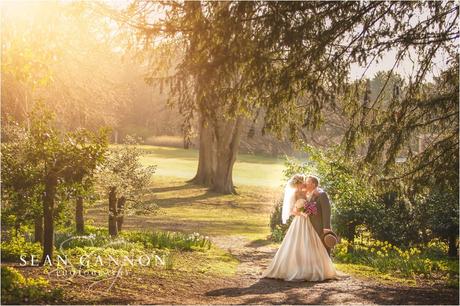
{"x": 404, "y": 68}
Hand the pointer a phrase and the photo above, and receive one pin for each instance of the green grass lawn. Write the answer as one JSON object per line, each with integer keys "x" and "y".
{"x": 252, "y": 170}
{"x": 191, "y": 208}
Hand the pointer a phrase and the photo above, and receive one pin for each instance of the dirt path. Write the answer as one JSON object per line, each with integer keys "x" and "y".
{"x": 248, "y": 288}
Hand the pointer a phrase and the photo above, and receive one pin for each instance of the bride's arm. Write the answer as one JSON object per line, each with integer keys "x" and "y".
{"x": 295, "y": 212}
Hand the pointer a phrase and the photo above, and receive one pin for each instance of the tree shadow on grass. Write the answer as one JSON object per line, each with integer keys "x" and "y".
{"x": 259, "y": 243}
{"x": 174, "y": 188}
{"x": 186, "y": 200}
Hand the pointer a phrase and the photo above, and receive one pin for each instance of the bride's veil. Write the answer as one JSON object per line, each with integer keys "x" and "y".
{"x": 288, "y": 201}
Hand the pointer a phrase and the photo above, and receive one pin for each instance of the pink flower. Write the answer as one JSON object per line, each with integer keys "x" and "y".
{"x": 310, "y": 208}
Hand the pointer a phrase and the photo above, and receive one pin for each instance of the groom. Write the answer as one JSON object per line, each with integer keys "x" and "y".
{"x": 322, "y": 220}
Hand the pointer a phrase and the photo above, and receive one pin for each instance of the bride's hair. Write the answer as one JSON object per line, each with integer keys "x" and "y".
{"x": 297, "y": 179}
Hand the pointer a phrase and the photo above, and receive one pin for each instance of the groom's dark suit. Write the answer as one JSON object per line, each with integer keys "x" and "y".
{"x": 322, "y": 219}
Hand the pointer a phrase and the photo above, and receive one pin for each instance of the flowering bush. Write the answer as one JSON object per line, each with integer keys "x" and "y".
{"x": 382, "y": 255}
{"x": 16, "y": 289}
{"x": 169, "y": 240}
{"x": 17, "y": 245}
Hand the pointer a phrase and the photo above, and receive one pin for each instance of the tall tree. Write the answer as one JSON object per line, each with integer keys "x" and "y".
{"x": 57, "y": 158}
{"x": 241, "y": 56}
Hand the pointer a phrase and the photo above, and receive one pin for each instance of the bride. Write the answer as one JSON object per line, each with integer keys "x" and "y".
{"x": 302, "y": 255}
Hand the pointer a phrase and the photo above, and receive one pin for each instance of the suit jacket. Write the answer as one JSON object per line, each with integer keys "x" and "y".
{"x": 322, "y": 219}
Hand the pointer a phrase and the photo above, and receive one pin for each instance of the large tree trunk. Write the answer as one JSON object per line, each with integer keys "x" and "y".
{"x": 207, "y": 155}
{"x": 219, "y": 143}
{"x": 38, "y": 230}
{"x": 219, "y": 137}
{"x": 79, "y": 221}
{"x": 113, "y": 229}
{"x": 228, "y": 134}
{"x": 120, "y": 213}
{"x": 48, "y": 217}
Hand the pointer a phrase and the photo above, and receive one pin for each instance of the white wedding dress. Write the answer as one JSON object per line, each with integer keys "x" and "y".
{"x": 301, "y": 256}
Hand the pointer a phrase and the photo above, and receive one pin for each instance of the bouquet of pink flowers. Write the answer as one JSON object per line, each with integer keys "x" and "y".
{"x": 310, "y": 208}
{"x": 306, "y": 207}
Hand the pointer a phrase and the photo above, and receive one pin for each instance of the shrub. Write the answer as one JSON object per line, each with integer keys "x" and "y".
{"x": 168, "y": 240}
{"x": 435, "y": 249}
{"x": 16, "y": 246}
{"x": 388, "y": 258}
{"x": 97, "y": 237}
{"x": 277, "y": 228}
{"x": 16, "y": 289}
{"x": 73, "y": 240}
